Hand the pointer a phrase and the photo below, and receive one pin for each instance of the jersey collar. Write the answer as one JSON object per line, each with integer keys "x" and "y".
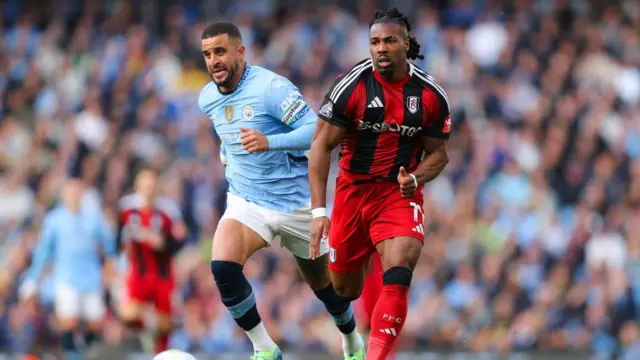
{"x": 245, "y": 74}
{"x": 382, "y": 79}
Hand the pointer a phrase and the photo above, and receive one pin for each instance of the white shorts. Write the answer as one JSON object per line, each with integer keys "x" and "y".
{"x": 70, "y": 303}
{"x": 293, "y": 228}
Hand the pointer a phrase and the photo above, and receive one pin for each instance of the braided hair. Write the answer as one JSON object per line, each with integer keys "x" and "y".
{"x": 395, "y": 16}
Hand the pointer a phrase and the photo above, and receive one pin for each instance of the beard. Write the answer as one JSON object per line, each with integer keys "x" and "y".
{"x": 388, "y": 69}
{"x": 231, "y": 72}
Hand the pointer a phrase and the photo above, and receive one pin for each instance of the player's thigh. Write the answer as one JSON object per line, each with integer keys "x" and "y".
{"x": 401, "y": 251}
{"x": 242, "y": 231}
{"x": 93, "y": 308}
{"x": 350, "y": 245}
{"x": 315, "y": 272}
{"x": 397, "y": 230}
{"x": 134, "y": 296}
{"x": 295, "y": 232}
{"x": 67, "y": 306}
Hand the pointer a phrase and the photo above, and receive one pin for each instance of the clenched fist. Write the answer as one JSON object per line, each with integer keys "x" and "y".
{"x": 253, "y": 140}
{"x": 408, "y": 183}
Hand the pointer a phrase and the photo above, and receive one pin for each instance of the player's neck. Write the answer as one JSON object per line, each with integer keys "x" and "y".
{"x": 236, "y": 79}
{"x": 398, "y": 76}
{"x": 74, "y": 209}
{"x": 147, "y": 202}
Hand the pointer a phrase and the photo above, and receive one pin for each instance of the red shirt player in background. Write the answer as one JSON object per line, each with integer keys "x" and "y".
{"x": 150, "y": 233}
{"x": 393, "y": 121}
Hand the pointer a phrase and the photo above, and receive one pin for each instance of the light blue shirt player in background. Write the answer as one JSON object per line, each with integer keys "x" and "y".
{"x": 72, "y": 239}
{"x": 265, "y": 126}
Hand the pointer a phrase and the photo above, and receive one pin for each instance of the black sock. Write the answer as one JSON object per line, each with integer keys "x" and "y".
{"x": 90, "y": 337}
{"x": 68, "y": 342}
{"x": 236, "y": 293}
{"x": 339, "y": 308}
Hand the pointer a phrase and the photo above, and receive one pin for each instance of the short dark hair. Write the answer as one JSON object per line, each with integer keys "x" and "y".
{"x": 221, "y": 28}
{"x": 394, "y": 16}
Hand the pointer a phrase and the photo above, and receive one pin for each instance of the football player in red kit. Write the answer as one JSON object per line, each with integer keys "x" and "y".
{"x": 393, "y": 122}
{"x": 150, "y": 233}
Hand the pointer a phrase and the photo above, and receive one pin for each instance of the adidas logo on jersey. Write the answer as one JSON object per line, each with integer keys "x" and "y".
{"x": 419, "y": 229}
{"x": 390, "y": 331}
{"x": 375, "y": 103}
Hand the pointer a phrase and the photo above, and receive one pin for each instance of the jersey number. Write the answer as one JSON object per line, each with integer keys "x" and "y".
{"x": 417, "y": 209}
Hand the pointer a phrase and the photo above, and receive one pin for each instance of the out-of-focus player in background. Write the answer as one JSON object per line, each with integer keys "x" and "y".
{"x": 150, "y": 233}
{"x": 265, "y": 126}
{"x": 393, "y": 121}
{"x": 74, "y": 239}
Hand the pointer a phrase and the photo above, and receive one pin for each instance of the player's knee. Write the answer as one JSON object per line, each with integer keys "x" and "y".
{"x": 231, "y": 282}
{"x": 315, "y": 272}
{"x": 164, "y": 324}
{"x": 133, "y": 323}
{"x": 398, "y": 275}
{"x": 94, "y": 326}
{"x": 68, "y": 323}
{"x": 130, "y": 312}
{"x": 348, "y": 292}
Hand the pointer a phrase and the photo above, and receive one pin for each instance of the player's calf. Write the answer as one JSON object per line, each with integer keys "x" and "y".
{"x": 316, "y": 275}
{"x": 68, "y": 327}
{"x": 92, "y": 334}
{"x": 131, "y": 315}
{"x": 390, "y": 312}
{"x": 399, "y": 257}
{"x": 163, "y": 330}
{"x": 237, "y": 295}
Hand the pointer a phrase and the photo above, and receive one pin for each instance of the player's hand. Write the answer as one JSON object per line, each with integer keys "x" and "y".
{"x": 253, "y": 140}
{"x": 152, "y": 238}
{"x": 407, "y": 183}
{"x": 319, "y": 232}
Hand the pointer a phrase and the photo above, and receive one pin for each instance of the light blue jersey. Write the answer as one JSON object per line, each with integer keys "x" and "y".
{"x": 72, "y": 241}
{"x": 267, "y": 102}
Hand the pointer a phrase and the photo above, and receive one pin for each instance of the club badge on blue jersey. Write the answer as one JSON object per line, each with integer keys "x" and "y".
{"x": 228, "y": 113}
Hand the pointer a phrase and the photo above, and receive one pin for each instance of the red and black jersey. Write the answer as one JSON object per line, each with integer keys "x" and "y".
{"x": 161, "y": 218}
{"x": 385, "y": 121}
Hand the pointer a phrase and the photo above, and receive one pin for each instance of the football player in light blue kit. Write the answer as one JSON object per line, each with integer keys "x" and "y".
{"x": 265, "y": 126}
{"x": 72, "y": 238}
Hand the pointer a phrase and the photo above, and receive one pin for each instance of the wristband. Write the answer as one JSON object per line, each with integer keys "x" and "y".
{"x": 319, "y": 212}
{"x": 415, "y": 180}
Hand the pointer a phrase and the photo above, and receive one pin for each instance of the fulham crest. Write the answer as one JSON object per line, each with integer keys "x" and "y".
{"x": 413, "y": 104}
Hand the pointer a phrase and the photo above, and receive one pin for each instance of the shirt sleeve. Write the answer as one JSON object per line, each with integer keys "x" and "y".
{"x": 285, "y": 102}
{"x": 334, "y": 105}
{"x": 438, "y": 116}
{"x": 44, "y": 249}
{"x": 106, "y": 236}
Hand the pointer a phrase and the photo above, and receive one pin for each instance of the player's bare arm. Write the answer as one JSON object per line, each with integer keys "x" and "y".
{"x": 434, "y": 161}
{"x": 325, "y": 138}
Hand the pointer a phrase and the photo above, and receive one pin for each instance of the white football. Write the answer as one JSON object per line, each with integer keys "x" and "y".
{"x": 174, "y": 355}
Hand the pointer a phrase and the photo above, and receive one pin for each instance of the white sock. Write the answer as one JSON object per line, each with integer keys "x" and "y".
{"x": 260, "y": 338}
{"x": 352, "y": 342}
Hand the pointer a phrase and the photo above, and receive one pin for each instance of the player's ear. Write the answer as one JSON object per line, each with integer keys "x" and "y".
{"x": 241, "y": 50}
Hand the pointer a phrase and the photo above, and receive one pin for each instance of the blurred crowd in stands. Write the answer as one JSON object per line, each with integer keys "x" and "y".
{"x": 534, "y": 226}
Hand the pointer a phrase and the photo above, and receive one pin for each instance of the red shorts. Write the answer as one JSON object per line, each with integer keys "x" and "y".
{"x": 158, "y": 291}
{"x": 366, "y": 214}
